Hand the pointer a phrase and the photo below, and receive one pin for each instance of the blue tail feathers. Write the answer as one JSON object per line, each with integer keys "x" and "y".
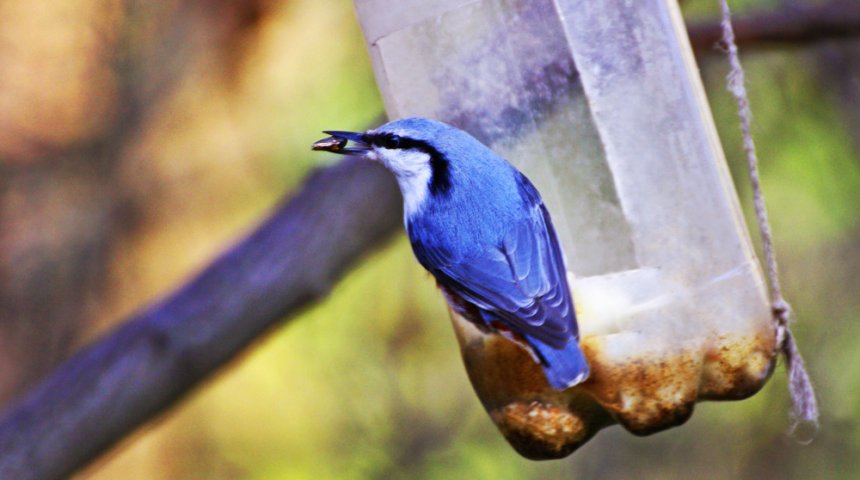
{"x": 564, "y": 367}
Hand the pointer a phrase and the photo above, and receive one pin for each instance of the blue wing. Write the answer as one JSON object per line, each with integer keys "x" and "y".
{"x": 522, "y": 281}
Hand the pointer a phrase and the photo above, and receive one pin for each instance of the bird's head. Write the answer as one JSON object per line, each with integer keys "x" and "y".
{"x": 418, "y": 151}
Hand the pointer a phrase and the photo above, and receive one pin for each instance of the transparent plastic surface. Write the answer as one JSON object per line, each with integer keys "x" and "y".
{"x": 600, "y": 104}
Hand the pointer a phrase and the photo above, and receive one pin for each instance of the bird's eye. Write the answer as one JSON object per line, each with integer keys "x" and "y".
{"x": 391, "y": 142}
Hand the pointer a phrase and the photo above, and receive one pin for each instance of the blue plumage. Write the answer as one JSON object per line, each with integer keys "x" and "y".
{"x": 480, "y": 227}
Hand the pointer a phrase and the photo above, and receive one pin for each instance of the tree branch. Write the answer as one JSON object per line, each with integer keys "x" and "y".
{"x": 805, "y": 24}
{"x": 126, "y": 378}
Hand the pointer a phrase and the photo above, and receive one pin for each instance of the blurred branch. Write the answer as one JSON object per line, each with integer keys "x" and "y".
{"x": 801, "y": 24}
{"x": 110, "y": 388}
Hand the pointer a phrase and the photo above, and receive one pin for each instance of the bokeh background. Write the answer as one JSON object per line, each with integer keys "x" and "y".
{"x": 139, "y": 139}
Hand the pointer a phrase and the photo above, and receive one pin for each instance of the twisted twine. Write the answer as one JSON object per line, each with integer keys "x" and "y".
{"x": 804, "y": 404}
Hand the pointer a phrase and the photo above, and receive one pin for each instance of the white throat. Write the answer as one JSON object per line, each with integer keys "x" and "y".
{"x": 413, "y": 172}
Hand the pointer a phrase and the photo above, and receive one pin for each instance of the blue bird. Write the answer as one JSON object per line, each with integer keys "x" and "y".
{"x": 480, "y": 228}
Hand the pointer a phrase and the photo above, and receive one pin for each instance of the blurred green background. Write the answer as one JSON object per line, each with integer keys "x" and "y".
{"x": 137, "y": 141}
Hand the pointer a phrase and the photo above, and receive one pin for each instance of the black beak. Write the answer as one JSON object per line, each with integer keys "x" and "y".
{"x": 336, "y": 143}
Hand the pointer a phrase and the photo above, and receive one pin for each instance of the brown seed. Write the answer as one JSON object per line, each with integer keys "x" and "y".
{"x": 330, "y": 144}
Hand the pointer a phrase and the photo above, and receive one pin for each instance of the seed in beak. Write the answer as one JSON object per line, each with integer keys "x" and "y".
{"x": 330, "y": 144}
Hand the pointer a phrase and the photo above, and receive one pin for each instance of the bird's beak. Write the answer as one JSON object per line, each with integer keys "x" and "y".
{"x": 336, "y": 143}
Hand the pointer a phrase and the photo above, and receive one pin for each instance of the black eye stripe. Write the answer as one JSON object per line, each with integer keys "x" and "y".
{"x": 440, "y": 180}
{"x": 392, "y": 142}
{"x": 386, "y": 140}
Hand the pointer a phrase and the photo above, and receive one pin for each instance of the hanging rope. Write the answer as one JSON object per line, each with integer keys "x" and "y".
{"x": 805, "y": 407}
